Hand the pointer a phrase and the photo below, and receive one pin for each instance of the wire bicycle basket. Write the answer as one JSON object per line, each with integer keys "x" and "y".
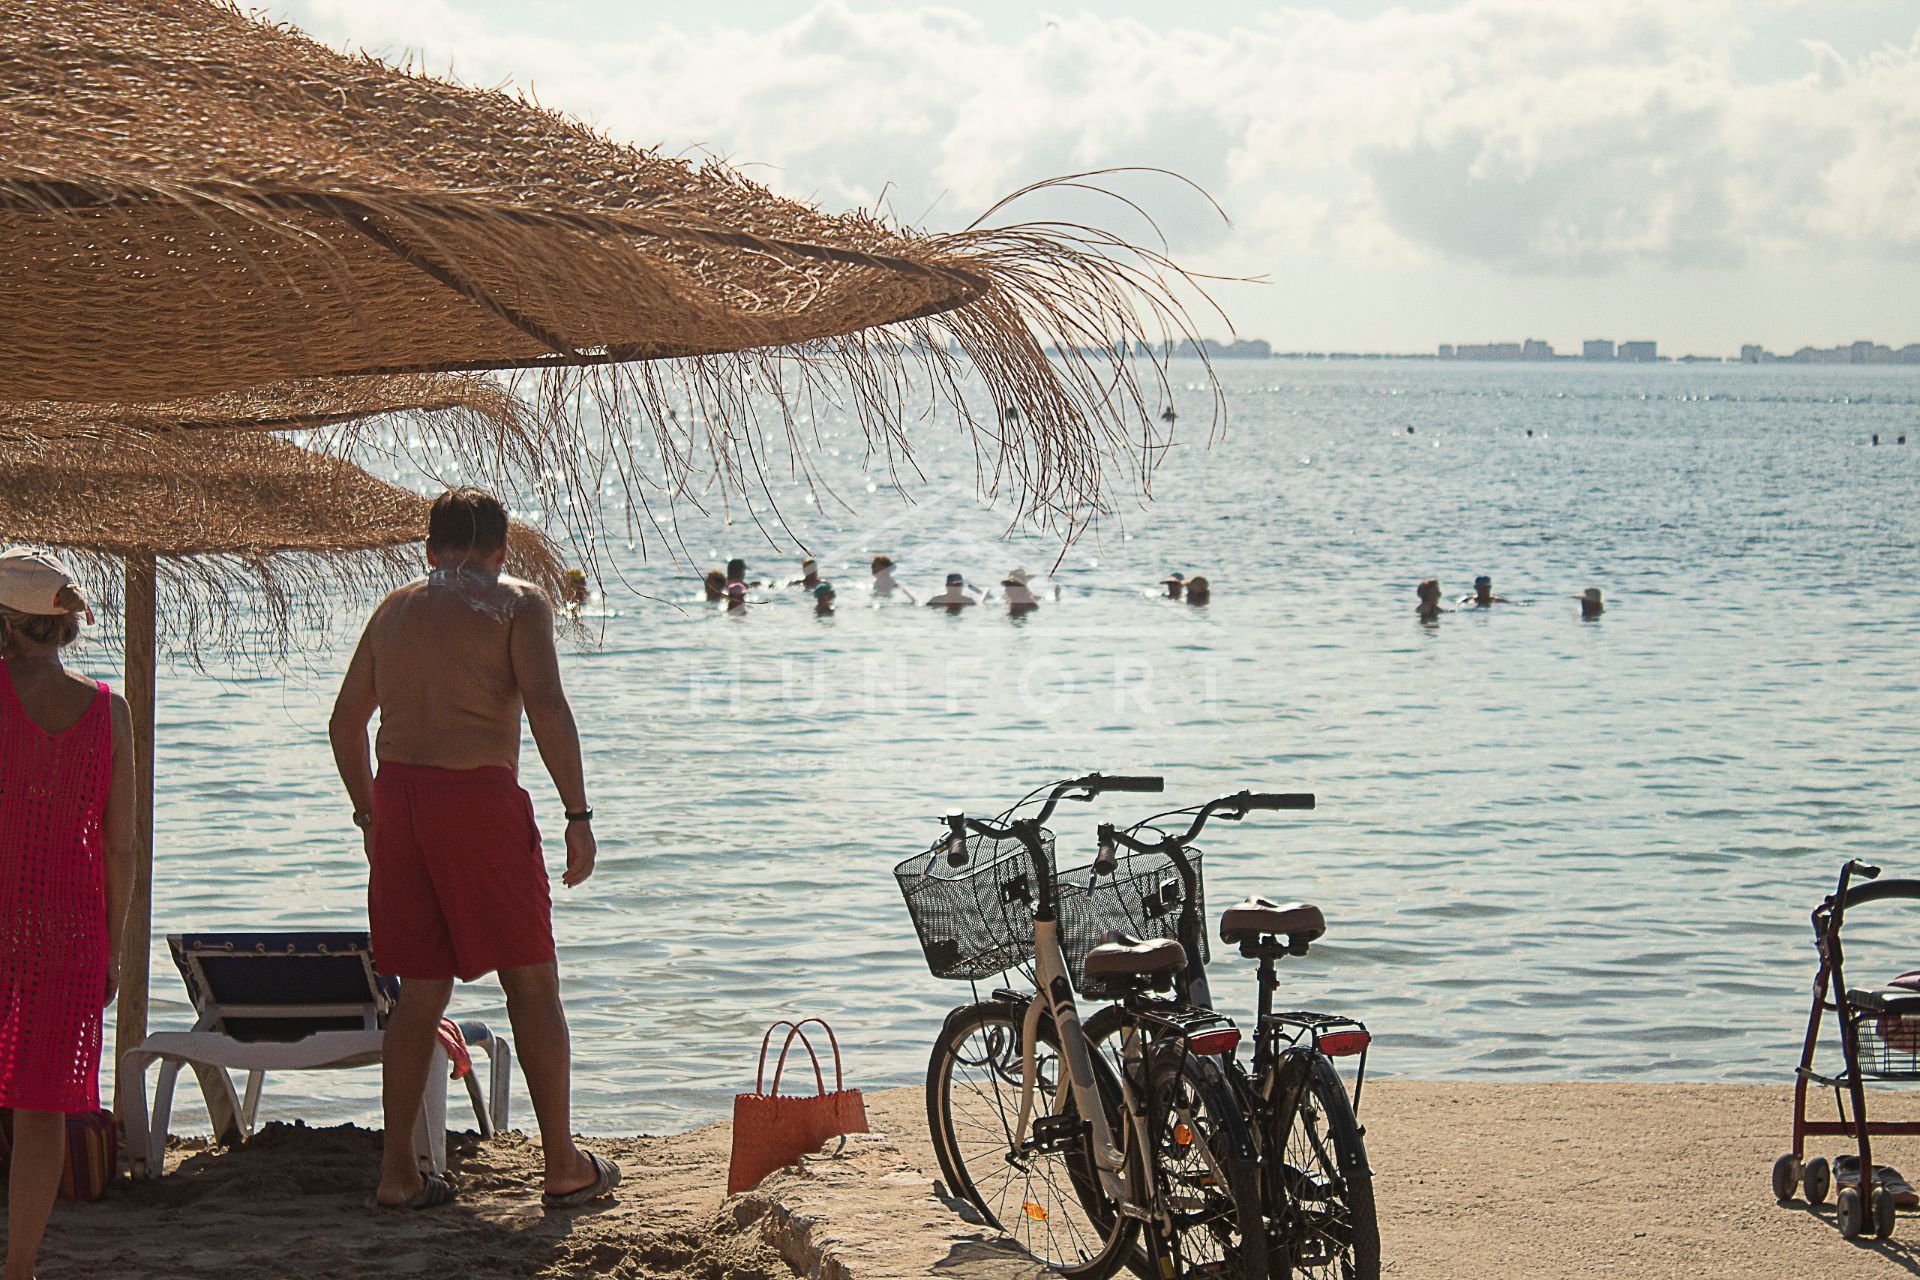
{"x": 974, "y": 920}
{"x": 1144, "y": 897}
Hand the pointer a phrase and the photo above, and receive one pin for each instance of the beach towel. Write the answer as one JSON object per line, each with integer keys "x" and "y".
{"x": 93, "y": 1153}
{"x": 771, "y": 1131}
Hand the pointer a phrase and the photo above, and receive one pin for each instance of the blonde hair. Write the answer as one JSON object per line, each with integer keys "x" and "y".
{"x": 56, "y": 629}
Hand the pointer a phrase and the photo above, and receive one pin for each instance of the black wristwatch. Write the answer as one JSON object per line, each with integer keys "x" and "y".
{"x": 583, "y": 815}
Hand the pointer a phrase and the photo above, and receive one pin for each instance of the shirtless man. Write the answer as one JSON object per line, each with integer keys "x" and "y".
{"x": 457, "y": 887}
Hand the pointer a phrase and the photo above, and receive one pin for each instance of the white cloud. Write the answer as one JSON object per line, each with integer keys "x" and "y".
{"x": 1532, "y": 138}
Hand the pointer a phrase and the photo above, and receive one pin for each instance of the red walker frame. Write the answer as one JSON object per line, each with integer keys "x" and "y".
{"x": 1860, "y": 1203}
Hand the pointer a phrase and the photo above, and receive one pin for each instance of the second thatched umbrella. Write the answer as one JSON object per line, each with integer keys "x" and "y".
{"x": 233, "y": 530}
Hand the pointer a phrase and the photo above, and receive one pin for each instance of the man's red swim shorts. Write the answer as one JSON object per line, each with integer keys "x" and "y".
{"x": 458, "y": 886}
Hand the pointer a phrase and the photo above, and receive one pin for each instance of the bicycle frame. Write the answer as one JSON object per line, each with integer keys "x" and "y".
{"x": 1053, "y": 996}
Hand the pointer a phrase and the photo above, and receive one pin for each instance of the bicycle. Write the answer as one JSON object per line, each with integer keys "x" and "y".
{"x": 1316, "y": 1187}
{"x": 1067, "y": 1152}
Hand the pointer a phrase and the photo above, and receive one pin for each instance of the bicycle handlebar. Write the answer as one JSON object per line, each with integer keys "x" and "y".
{"x": 1134, "y": 783}
{"x": 1278, "y": 799}
{"x": 1233, "y": 808}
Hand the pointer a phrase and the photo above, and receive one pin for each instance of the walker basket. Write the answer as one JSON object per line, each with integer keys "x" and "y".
{"x": 1143, "y": 897}
{"x": 976, "y": 919}
{"x": 1889, "y": 1046}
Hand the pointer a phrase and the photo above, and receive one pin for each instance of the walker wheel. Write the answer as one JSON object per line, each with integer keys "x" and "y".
{"x": 1853, "y": 1212}
{"x": 1816, "y": 1180}
{"x": 1786, "y": 1177}
{"x": 1882, "y": 1212}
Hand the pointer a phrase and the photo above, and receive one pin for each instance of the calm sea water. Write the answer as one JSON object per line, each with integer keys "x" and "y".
{"x": 1547, "y": 849}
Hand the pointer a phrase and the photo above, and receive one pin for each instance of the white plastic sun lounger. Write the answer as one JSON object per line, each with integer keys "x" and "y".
{"x": 305, "y": 1001}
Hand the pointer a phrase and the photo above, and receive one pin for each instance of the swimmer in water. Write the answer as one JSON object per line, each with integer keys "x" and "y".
{"x": 955, "y": 597}
{"x": 884, "y": 584}
{"x": 737, "y": 572}
{"x": 736, "y": 597}
{"x": 1199, "y": 590}
{"x": 716, "y": 584}
{"x": 809, "y": 574}
{"x": 1591, "y": 606}
{"x": 1020, "y": 597}
{"x": 573, "y": 589}
{"x": 823, "y": 599}
{"x": 1428, "y": 610}
{"x": 1482, "y": 594}
{"x": 1175, "y": 583}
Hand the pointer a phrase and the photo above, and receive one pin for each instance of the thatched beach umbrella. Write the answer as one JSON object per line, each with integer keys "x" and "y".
{"x": 193, "y": 201}
{"x": 233, "y": 531}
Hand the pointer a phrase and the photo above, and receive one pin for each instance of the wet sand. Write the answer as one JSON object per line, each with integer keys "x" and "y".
{"x": 1497, "y": 1181}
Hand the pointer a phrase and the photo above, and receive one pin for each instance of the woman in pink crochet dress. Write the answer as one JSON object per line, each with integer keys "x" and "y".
{"x": 66, "y": 874}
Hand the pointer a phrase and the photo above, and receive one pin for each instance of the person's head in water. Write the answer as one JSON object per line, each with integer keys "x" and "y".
{"x": 1483, "y": 590}
{"x": 467, "y": 528}
{"x": 716, "y": 584}
{"x": 736, "y": 595}
{"x": 1591, "y": 605}
{"x": 881, "y": 564}
{"x": 1175, "y": 583}
{"x": 736, "y": 570}
{"x": 823, "y": 598}
{"x": 40, "y": 602}
{"x": 809, "y": 572}
{"x": 1429, "y": 593}
{"x": 1199, "y": 590}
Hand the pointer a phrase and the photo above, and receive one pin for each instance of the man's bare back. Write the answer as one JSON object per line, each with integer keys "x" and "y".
{"x": 442, "y": 653}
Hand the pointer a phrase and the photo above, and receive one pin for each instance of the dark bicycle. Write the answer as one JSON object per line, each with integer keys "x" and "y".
{"x": 1308, "y": 1156}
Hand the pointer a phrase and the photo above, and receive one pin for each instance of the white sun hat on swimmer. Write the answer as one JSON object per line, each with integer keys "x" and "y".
{"x": 34, "y": 580}
{"x": 1020, "y": 576}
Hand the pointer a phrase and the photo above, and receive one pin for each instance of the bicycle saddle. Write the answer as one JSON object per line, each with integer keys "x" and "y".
{"x": 1124, "y": 956}
{"x": 1257, "y": 917}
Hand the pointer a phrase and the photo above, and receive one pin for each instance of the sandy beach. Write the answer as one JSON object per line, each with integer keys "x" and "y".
{"x": 1497, "y": 1181}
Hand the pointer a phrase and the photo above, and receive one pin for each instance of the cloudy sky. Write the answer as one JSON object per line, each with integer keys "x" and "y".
{"x": 1699, "y": 172}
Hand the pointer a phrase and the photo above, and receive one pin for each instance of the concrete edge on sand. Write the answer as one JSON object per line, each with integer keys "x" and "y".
{"x": 860, "y": 1210}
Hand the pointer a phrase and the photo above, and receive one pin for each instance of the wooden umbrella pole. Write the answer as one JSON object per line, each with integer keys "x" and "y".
{"x": 131, "y": 1027}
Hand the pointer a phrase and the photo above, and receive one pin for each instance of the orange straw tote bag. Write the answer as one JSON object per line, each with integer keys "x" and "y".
{"x": 771, "y": 1131}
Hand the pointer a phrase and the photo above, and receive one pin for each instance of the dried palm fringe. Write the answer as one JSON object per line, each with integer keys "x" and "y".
{"x": 258, "y": 611}
{"x": 1059, "y": 418}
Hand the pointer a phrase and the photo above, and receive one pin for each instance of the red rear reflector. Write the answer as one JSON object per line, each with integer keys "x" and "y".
{"x": 1208, "y": 1043}
{"x": 1342, "y": 1044}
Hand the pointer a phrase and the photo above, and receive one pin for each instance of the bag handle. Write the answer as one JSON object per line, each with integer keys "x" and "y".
{"x": 780, "y": 1066}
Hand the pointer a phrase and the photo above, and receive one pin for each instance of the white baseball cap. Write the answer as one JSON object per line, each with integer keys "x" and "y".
{"x": 34, "y": 580}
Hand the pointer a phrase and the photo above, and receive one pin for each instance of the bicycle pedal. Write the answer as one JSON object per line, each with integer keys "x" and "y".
{"x": 1057, "y": 1133}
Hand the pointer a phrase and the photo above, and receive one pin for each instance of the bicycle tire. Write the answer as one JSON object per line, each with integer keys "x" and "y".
{"x": 1048, "y": 1199}
{"x": 1207, "y": 1169}
{"x": 1318, "y": 1193}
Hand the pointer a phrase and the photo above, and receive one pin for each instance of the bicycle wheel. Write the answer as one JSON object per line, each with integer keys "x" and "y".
{"x": 1207, "y": 1168}
{"x": 1045, "y": 1193}
{"x": 1319, "y": 1192}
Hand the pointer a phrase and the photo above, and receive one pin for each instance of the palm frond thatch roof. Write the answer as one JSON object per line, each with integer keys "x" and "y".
{"x": 193, "y": 201}
{"x": 256, "y": 538}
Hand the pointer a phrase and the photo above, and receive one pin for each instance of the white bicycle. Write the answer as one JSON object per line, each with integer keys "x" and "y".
{"x": 1069, "y": 1151}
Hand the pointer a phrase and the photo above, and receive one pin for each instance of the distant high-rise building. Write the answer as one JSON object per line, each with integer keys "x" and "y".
{"x": 1753, "y": 353}
{"x": 1597, "y": 349}
{"x": 1643, "y": 351}
{"x": 1446, "y": 351}
{"x": 1534, "y": 349}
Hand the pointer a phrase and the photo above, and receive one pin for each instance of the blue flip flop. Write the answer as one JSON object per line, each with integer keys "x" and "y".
{"x": 434, "y": 1191}
{"x": 606, "y": 1178}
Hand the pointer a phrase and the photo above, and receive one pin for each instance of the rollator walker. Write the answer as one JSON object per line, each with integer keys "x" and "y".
{"x": 1879, "y": 1043}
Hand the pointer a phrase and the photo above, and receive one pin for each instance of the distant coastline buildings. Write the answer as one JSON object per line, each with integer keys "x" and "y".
{"x": 1853, "y": 353}
{"x": 1592, "y": 351}
{"x": 1535, "y": 349}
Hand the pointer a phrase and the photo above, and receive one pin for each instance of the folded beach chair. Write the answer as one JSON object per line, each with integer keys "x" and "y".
{"x": 300, "y": 1001}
